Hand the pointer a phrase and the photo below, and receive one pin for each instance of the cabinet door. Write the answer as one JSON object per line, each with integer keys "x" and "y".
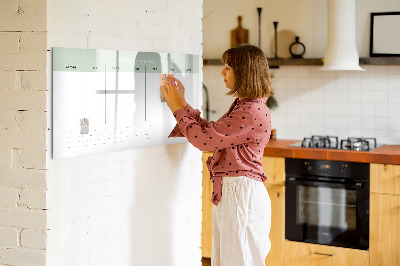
{"x": 206, "y": 226}
{"x": 274, "y": 168}
{"x": 385, "y": 178}
{"x": 384, "y": 229}
{"x": 277, "y": 233}
{"x": 304, "y": 254}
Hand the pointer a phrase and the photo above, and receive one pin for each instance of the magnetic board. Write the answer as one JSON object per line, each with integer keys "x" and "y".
{"x": 109, "y": 100}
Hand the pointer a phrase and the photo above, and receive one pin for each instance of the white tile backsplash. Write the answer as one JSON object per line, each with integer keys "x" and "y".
{"x": 381, "y": 83}
{"x": 394, "y": 110}
{"x": 394, "y": 97}
{"x": 343, "y": 103}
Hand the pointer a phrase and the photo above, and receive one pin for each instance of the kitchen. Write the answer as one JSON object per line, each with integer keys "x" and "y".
{"x": 312, "y": 102}
{"x": 116, "y": 208}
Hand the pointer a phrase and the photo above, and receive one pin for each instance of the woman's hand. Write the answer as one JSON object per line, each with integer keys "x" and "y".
{"x": 171, "y": 95}
{"x": 181, "y": 91}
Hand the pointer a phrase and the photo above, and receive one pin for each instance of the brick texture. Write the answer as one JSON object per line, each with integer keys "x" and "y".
{"x": 33, "y": 239}
{"x": 23, "y": 126}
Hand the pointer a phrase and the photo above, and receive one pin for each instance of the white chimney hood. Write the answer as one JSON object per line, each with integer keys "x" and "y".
{"x": 341, "y": 51}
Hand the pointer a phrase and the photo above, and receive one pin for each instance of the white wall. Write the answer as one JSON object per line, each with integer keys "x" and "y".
{"x": 134, "y": 207}
{"x": 311, "y": 102}
{"x": 305, "y": 18}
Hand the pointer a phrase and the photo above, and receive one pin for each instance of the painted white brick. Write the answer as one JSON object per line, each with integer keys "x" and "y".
{"x": 9, "y": 42}
{"x": 191, "y": 23}
{"x": 22, "y": 218}
{"x": 33, "y": 159}
{"x": 9, "y": 237}
{"x": 80, "y": 227}
{"x": 197, "y": 166}
{"x": 98, "y": 222}
{"x": 7, "y": 78}
{"x": 179, "y": 7}
{"x": 31, "y": 61}
{"x": 8, "y": 6}
{"x": 31, "y": 53}
{"x": 135, "y": 43}
{"x": 17, "y": 256}
{"x": 37, "y": 7}
{"x": 23, "y": 100}
{"x": 8, "y": 197}
{"x": 114, "y": 186}
{"x": 22, "y": 22}
{"x": 112, "y": 40}
{"x": 155, "y": 32}
{"x": 23, "y": 139}
{"x": 33, "y": 199}
{"x": 31, "y": 80}
{"x": 23, "y": 178}
{"x": 5, "y": 158}
{"x": 191, "y": 48}
{"x": 96, "y": 173}
{"x": 35, "y": 120}
{"x": 167, "y": 19}
{"x": 33, "y": 239}
{"x": 150, "y": 6}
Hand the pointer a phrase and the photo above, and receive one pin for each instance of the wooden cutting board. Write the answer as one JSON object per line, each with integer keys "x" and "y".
{"x": 239, "y": 35}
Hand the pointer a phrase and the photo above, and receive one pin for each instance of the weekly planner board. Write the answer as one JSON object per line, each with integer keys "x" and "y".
{"x": 109, "y": 100}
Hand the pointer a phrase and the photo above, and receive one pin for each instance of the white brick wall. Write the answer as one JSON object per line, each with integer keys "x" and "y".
{"x": 23, "y": 128}
{"x": 135, "y": 207}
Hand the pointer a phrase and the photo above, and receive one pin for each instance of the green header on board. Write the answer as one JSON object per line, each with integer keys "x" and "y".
{"x": 100, "y": 60}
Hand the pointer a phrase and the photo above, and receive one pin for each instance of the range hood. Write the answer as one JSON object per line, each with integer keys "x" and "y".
{"x": 341, "y": 51}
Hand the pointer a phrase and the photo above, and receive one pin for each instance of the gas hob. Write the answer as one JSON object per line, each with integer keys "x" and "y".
{"x": 332, "y": 142}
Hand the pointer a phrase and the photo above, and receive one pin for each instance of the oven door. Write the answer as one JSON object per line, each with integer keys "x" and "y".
{"x": 327, "y": 213}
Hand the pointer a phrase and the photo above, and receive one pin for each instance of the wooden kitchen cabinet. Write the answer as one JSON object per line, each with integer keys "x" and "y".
{"x": 305, "y": 254}
{"x": 384, "y": 236}
{"x": 385, "y": 178}
{"x": 206, "y": 225}
{"x": 274, "y": 168}
{"x": 277, "y": 233}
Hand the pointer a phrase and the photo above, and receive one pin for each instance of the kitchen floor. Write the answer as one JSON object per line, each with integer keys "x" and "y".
{"x": 206, "y": 261}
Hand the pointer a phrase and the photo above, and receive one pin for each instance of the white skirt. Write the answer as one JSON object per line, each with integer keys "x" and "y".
{"x": 241, "y": 223}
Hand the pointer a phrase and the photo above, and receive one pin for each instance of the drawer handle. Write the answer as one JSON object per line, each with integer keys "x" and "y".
{"x": 324, "y": 254}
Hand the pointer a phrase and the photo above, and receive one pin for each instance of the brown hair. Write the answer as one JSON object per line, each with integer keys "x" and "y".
{"x": 250, "y": 66}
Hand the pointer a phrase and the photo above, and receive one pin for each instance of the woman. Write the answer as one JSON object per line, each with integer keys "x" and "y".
{"x": 242, "y": 208}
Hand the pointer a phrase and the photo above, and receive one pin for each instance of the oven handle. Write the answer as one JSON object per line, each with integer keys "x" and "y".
{"x": 324, "y": 254}
{"x": 357, "y": 185}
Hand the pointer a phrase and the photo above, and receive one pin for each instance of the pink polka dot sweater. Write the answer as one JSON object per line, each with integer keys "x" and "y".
{"x": 238, "y": 139}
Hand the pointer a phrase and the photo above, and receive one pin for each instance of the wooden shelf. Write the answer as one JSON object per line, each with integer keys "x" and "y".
{"x": 273, "y": 63}
{"x": 380, "y": 61}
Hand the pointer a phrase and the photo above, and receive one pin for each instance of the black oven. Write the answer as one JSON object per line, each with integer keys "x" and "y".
{"x": 327, "y": 202}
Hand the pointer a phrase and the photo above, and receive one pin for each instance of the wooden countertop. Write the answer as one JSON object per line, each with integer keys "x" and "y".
{"x": 389, "y": 154}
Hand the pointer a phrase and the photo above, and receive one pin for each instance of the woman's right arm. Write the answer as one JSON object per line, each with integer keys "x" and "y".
{"x": 190, "y": 111}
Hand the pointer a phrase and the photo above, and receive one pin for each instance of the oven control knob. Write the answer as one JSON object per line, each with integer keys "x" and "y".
{"x": 308, "y": 166}
{"x": 343, "y": 168}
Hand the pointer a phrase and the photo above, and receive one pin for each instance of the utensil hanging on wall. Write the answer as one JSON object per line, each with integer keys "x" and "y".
{"x": 259, "y": 9}
{"x": 276, "y": 38}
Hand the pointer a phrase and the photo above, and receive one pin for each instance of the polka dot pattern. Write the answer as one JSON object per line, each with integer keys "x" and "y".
{"x": 238, "y": 139}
